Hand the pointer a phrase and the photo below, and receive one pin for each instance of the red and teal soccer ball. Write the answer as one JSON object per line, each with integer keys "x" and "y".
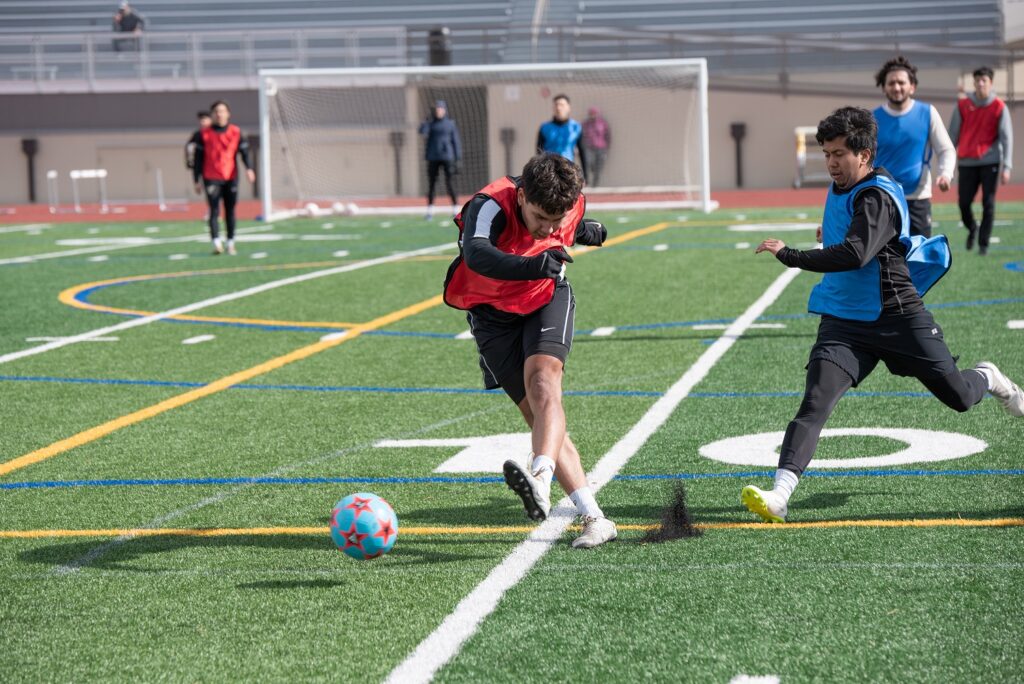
{"x": 364, "y": 526}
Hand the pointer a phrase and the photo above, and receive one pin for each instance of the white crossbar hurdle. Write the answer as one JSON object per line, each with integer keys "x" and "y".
{"x": 99, "y": 175}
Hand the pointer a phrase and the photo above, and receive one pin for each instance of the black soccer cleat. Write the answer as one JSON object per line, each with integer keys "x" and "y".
{"x": 535, "y": 493}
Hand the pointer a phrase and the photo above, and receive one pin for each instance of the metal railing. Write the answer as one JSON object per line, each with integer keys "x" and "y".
{"x": 99, "y": 62}
{"x": 157, "y": 61}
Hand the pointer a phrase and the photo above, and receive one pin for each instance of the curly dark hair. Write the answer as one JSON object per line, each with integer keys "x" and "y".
{"x": 984, "y": 71}
{"x": 897, "y": 63}
{"x": 552, "y": 182}
{"x": 856, "y": 123}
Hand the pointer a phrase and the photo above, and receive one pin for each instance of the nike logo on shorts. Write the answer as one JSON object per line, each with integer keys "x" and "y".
{"x": 543, "y": 330}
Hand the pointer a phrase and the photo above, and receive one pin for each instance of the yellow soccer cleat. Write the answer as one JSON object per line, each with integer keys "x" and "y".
{"x": 766, "y": 504}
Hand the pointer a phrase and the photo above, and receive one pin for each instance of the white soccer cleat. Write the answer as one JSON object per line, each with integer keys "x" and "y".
{"x": 1003, "y": 389}
{"x": 596, "y": 531}
{"x": 765, "y": 503}
{"x": 534, "y": 491}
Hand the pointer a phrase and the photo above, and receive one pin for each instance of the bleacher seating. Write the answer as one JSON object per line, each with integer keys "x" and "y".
{"x": 737, "y": 37}
{"x": 46, "y": 16}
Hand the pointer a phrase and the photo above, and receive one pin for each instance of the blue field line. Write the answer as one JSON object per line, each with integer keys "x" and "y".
{"x": 484, "y": 479}
{"x": 316, "y": 388}
{"x": 435, "y": 390}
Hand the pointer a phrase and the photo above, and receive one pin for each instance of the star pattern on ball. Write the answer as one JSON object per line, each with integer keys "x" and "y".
{"x": 354, "y": 538}
{"x": 359, "y": 504}
{"x": 384, "y": 529}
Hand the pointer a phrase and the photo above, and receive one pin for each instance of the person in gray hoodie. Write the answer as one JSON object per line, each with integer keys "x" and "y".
{"x": 983, "y": 134}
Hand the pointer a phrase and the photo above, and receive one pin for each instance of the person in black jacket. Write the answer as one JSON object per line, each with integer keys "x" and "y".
{"x": 127, "y": 20}
{"x": 203, "y": 120}
{"x": 444, "y": 151}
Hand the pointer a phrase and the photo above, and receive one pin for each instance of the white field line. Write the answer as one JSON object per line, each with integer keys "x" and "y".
{"x": 755, "y": 679}
{"x": 213, "y": 301}
{"x": 445, "y": 642}
{"x": 108, "y": 247}
{"x": 51, "y": 339}
{"x": 27, "y": 226}
{"x": 1015, "y": 325}
{"x": 347, "y": 570}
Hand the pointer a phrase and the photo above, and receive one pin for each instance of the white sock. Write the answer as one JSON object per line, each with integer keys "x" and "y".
{"x": 585, "y": 503}
{"x": 785, "y": 482}
{"x": 216, "y": 242}
{"x": 543, "y": 468}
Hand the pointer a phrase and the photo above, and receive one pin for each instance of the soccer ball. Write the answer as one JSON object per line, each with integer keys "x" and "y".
{"x": 364, "y": 526}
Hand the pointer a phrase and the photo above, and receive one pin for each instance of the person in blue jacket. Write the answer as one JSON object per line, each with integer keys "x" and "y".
{"x": 869, "y": 300}
{"x": 563, "y": 135}
{"x": 444, "y": 151}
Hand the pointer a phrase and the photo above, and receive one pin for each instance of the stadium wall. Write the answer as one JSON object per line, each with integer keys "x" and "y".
{"x": 132, "y": 135}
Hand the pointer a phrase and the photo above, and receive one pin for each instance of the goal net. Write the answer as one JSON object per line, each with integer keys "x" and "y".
{"x": 348, "y": 140}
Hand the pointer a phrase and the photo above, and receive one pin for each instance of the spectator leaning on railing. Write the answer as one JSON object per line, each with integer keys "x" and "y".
{"x": 127, "y": 20}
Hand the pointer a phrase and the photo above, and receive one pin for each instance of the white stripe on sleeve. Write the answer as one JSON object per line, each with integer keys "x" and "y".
{"x": 484, "y": 219}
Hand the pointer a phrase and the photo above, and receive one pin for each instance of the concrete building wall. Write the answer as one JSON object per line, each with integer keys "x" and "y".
{"x": 134, "y": 135}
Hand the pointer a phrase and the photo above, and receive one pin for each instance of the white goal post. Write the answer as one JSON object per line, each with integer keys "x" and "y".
{"x": 347, "y": 140}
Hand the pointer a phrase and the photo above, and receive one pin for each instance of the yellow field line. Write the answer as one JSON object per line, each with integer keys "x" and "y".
{"x": 68, "y": 296}
{"x": 224, "y": 383}
{"x": 509, "y": 529}
{"x": 92, "y": 434}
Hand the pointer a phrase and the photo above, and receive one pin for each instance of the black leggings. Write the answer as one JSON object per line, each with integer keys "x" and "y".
{"x": 970, "y": 178}
{"x": 215, "y": 192}
{"x": 432, "y": 170}
{"x": 827, "y": 382}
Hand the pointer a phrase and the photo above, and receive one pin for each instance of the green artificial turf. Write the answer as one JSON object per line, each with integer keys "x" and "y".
{"x": 805, "y": 604}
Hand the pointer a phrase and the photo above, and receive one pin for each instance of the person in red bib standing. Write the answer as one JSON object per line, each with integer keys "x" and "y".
{"x": 216, "y": 171}
{"x": 510, "y": 279}
{"x": 983, "y": 135}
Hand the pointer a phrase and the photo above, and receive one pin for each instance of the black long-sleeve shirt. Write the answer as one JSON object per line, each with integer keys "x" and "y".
{"x": 483, "y": 222}
{"x": 874, "y": 232}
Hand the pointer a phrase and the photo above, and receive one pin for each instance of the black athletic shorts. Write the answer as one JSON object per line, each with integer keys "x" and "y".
{"x": 920, "y": 217}
{"x": 910, "y": 345}
{"x": 506, "y": 340}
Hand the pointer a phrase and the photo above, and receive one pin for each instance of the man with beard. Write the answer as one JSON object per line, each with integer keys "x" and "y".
{"x": 909, "y": 132}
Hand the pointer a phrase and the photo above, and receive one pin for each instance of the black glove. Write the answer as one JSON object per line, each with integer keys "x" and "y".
{"x": 551, "y": 263}
{"x": 592, "y": 233}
